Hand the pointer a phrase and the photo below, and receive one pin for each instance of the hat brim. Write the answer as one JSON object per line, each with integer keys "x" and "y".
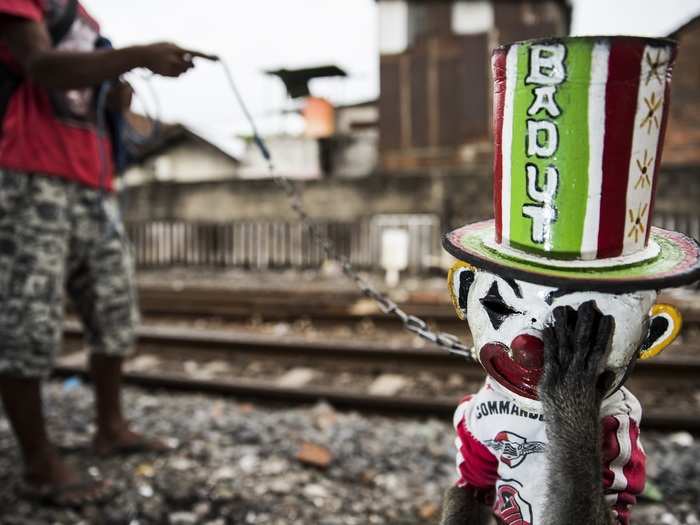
{"x": 677, "y": 263}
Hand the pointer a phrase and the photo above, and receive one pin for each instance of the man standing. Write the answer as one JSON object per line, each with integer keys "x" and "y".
{"x": 60, "y": 227}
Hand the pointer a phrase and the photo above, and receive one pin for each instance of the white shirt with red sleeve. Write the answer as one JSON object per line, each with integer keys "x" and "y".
{"x": 501, "y": 443}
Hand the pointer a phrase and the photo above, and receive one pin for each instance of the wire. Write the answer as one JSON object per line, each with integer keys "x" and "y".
{"x": 155, "y": 116}
{"x": 256, "y": 135}
{"x": 102, "y": 133}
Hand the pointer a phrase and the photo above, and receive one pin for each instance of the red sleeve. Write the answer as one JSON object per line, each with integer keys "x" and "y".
{"x": 29, "y": 9}
{"x": 624, "y": 462}
{"x": 476, "y": 465}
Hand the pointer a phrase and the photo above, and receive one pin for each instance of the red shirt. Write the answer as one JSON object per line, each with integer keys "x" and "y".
{"x": 54, "y": 131}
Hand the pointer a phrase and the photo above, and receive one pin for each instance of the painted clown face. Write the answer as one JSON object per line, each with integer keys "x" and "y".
{"x": 506, "y": 318}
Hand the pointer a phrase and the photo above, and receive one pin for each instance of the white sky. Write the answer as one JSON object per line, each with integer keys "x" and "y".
{"x": 266, "y": 34}
{"x": 631, "y": 17}
{"x": 252, "y": 36}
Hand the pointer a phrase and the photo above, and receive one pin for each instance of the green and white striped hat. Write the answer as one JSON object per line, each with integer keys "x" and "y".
{"x": 579, "y": 126}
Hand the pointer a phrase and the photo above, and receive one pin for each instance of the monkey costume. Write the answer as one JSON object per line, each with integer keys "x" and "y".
{"x": 559, "y": 289}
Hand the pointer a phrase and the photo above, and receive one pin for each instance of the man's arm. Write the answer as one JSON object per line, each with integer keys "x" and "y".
{"x": 571, "y": 392}
{"x": 30, "y": 44}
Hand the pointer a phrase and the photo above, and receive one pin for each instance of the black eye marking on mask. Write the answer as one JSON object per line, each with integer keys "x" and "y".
{"x": 466, "y": 279}
{"x": 515, "y": 286}
{"x": 495, "y": 307}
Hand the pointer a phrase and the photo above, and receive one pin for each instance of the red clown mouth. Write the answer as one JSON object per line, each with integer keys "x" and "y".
{"x": 520, "y": 374}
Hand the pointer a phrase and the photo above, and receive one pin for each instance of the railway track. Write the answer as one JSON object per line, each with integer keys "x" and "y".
{"x": 195, "y": 301}
{"x": 365, "y": 366}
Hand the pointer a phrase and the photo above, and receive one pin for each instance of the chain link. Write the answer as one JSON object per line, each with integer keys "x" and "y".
{"x": 414, "y": 324}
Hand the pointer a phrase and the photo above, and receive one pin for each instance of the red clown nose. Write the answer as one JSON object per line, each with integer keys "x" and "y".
{"x": 528, "y": 351}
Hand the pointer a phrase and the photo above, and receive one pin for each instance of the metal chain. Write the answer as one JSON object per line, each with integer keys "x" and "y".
{"x": 414, "y": 324}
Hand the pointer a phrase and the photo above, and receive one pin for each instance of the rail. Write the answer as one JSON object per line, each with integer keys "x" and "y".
{"x": 166, "y": 340}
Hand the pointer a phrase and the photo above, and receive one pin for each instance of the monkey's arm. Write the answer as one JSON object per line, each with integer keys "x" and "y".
{"x": 477, "y": 468}
{"x": 461, "y": 507}
{"x": 571, "y": 391}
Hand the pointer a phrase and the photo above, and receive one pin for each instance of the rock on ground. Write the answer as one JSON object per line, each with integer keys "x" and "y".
{"x": 237, "y": 464}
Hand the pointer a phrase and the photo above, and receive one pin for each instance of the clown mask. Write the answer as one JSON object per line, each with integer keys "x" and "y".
{"x": 507, "y": 316}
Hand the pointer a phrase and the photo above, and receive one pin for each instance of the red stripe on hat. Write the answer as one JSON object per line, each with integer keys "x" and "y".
{"x": 624, "y": 68}
{"x": 498, "y": 64}
{"x": 660, "y": 145}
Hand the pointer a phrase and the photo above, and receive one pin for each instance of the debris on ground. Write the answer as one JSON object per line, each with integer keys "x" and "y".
{"x": 238, "y": 463}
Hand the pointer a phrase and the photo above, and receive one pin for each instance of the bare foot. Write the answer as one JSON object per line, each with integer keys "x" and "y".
{"x": 121, "y": 440}
{"x": 50, "y": 480}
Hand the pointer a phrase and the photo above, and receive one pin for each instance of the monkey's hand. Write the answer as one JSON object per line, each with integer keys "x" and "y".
{"x": 460, "y": 507}
{"x": 571, "y": 390}
{"x": 575, "y": 347}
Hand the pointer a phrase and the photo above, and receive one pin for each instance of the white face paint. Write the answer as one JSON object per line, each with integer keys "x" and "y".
{"x": 499, "y": 310}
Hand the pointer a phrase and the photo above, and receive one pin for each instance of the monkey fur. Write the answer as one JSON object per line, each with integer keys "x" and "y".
{"x": 571, "y": 392}
{"x": 461, "y": 507}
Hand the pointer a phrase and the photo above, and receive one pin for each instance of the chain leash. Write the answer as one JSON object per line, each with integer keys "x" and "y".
{"x": 412, "y": 323}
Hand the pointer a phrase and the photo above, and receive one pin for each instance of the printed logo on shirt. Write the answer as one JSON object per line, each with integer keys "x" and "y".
{"x": 510, "y": 507}
{"x": 514, "y": 448}
{"x": 504, "y": 407}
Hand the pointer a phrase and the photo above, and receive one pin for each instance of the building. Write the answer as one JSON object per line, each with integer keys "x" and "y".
{"x": 435, "y": 102}
{"x": 683, "y": 131}
{"x": 353, "y": 149}
{"x": 163, "y": 152}
{"x": 173, "y": 152}
{"x": 678, "y": 195}
{"x": 433, "y": 55}
{"x": 431, "y": 125}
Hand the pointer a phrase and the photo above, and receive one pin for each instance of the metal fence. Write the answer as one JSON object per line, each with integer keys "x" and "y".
{"x": 279, "y": 244}
{"x": 688, "y": 223}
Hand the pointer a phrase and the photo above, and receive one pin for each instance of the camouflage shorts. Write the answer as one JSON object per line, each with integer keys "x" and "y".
{"x": 59, "y": 236}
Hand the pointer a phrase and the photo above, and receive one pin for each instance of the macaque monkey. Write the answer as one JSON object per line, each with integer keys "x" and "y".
{"x": 558, "y": 288}
{"x": 553, "y": 436}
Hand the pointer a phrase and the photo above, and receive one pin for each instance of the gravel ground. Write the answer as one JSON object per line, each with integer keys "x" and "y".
{"x": 237, "y": 463}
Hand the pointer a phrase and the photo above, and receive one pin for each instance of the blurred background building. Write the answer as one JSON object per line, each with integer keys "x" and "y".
{"x": 420, "y": 153}
{"x": 435, "y": 87}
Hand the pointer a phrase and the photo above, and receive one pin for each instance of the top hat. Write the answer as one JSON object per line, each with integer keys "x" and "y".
{"x": 579, "y": 126}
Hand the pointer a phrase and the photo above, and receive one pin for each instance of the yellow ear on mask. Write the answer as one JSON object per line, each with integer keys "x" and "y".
{"x": 453, "y": 285}
{"x": 664, "y": 325}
